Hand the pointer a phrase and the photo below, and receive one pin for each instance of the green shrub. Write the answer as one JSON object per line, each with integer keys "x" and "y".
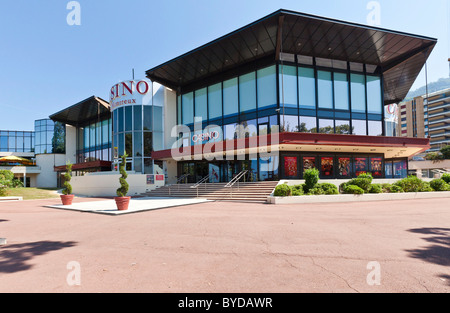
{"x": 410, "y": 184}
{"x": 316, "y": 191}
{"x": 353, "y": 189}
{"x": 366, "y": 176}
{"x": 426, "y": 187}
{"x": 446, "y": 177}
{"x": 439, "y": 185}
{"x": 297, "y": 190}
{"x": 67, "y": 190}
{"x": 376, "y": 188}
{"x": 396, "y": 189}
{"x": 329, "y": 189}
{"x": 3, "y": 191}
{"x": 311, "y": 177}
{"x": 6, "y": 178}
{"x": 283, "y": 190}
{"x": 386, "y": 187}
{"x": 362, "y": 182}
{"x": 123, "y": 190}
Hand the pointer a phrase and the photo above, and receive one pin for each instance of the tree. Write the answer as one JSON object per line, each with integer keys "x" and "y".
{"x": 446, "y": 152}
{"x": 123, "y": 190}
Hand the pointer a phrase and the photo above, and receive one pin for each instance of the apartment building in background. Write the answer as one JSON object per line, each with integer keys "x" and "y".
{"x": 424, "y": 117}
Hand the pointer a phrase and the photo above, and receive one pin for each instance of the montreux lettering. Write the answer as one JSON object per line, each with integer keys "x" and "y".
{"x": 128, "y": 90}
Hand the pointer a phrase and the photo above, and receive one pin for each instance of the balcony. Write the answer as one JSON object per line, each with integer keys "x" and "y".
{"x": 22, "y": 169}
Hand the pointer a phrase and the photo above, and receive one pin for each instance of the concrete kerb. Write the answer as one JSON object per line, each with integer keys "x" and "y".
{"x": 358, "y": 198}
{"x": 9, "y": 199}
{"x": 108, "y": 207}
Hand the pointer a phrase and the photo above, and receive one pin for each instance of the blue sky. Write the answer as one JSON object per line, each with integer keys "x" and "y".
{"x": 47, "y": 65}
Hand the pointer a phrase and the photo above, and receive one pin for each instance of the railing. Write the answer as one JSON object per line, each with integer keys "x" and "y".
{"x": 200, "y": 182}
{"x": 179, "y": 180}
{"x": 235, "y": 180}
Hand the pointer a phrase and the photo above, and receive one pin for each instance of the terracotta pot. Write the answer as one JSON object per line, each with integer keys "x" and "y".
{"x": 67, "y": 199}
{"x": 122, "y": 203}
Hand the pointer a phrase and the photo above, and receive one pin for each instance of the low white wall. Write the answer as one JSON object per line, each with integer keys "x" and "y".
{"x": 358, "y": 198}
{"x": 105, "y": 184}
{"x": 338, "y": 182}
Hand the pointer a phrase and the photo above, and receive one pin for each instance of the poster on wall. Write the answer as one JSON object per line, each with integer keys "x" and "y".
{"x": 376, "y": 167}
{"x": 344, "y": 167}
{"x": 214, "y": 172}
{"x": 326, "y": 165}
{"x": 360, "y": 166}
{"x": 290, "y": 167}
{"x": 309, "y": 162}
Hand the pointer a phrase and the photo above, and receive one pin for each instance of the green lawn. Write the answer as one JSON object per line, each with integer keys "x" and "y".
{"x": 33, "y": 193}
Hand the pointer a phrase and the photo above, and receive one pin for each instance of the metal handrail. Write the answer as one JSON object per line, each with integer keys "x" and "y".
{"x": 236, "y": 179}
{"x": 201, "y": 181}
{"x": 182, "y": 177}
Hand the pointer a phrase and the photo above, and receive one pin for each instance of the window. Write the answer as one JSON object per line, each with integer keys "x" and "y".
{"x": 358, "y": 93}
{"x": 230, "y": 97}
{"x": 326, "y": 126}
{"x": 288, "y": 86}
{"x": 267, "y": 87}
{"x": 375, "y": 128}
{"x": 247, "y": 92}
{"x": 137, "y": 112}
{"x": 148, "y": 118}
{"x": 188, "y": 108}
{"x": 341, "y": 91}
{"x": 307, "y": 88}
{"x": 215, "y": 101}
{"x": 201, "y": 106}
{"x": 359, "y": 127}
{"x": 128, "y": 118}
{"x": 308, "y": 124}
{"x": 374, "y": 101}
{"x": 325, "y": 90}
{"x": 290, "y": 123}
{"x": 342, "y": 127}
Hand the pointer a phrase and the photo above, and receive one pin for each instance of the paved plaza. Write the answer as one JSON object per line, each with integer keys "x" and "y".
{"x": 389, "y": 246}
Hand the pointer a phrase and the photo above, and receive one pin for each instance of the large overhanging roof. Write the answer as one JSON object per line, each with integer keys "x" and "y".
{"x": 84, "y": 112}
{"x": 399, "y": 56}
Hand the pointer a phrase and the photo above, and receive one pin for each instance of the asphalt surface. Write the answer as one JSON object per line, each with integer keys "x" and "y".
{"x": 371, "y": 247}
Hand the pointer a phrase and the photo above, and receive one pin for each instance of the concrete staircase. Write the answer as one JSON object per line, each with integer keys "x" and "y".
{"x": 242, "y": 192}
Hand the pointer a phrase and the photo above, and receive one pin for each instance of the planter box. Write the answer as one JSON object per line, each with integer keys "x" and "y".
{"x": 358, "y": 198}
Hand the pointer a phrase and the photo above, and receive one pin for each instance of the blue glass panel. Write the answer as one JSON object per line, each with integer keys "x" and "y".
{"x": 288, "y": 86}
{"x": 267, "y": 87}
{"x": 247, "y": 92}
{"x": 306, "y": 87}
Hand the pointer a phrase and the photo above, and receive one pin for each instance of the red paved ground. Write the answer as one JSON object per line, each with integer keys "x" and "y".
{"x": 229, "y": 247}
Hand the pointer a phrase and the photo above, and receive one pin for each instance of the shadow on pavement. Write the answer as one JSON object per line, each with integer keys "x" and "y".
{"x": 438, "y": 252}
{"x": 13, "y": 257}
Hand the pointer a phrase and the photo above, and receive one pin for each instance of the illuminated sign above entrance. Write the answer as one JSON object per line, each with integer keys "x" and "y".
{"x": 132, "y": 92}
{"x": 205, "y": 136}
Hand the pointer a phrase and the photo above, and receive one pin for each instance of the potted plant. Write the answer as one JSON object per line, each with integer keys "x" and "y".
{"x": 122, "y": 201}
{"x": 67, "y": 196}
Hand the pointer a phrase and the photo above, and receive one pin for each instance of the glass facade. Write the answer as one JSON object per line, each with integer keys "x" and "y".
{"x": 314, "y": 98}
{"x": 138, "y": 129}
{"x": 17, "y": 141}
{"x": 94, "y": 142}
{"x": 50, "y": 137}
{"x": 310, "y": 99}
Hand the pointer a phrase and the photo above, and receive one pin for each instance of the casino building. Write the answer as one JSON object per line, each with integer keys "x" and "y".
{"x": 322, "y": 84}
{"x": 285, "y": 93}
